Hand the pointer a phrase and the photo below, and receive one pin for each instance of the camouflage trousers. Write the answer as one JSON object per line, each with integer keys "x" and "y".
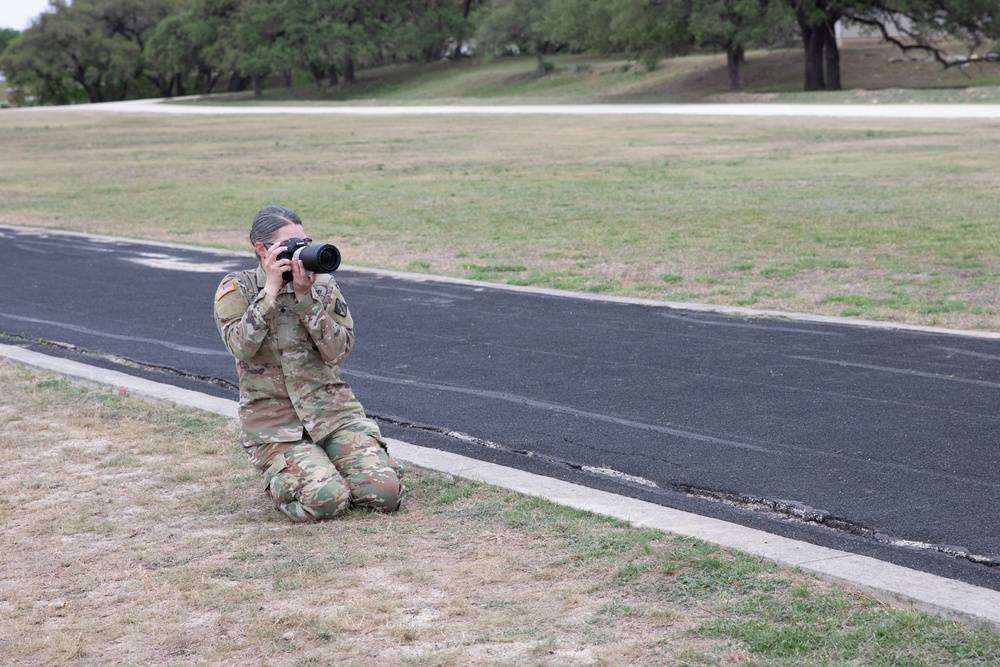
{"x": 349, "y": 468}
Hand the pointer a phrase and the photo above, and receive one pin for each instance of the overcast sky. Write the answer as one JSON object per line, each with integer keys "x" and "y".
{"x": 17, "y": 14}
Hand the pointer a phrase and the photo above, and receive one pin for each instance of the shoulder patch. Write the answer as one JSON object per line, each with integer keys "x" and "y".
{"x": 225, "y": 288}
{"x": 340, "y": 308}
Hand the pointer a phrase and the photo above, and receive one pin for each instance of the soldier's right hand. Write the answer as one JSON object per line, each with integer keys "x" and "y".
{"x": 274, "y": 268}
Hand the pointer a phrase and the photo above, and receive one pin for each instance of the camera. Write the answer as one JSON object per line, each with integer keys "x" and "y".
{"x": 319, "y": 258}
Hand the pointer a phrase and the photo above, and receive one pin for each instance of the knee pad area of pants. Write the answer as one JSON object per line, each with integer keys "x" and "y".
{"x": 379, "y": 491}
{"x": 325, "y": 500}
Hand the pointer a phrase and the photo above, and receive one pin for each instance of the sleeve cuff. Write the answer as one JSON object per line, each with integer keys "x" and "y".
{"x": 306, "y": 306}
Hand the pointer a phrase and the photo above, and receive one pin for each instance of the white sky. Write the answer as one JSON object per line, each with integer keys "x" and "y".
{"x": 17, "y": 14}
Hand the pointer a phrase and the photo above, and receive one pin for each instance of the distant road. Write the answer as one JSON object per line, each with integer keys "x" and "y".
{"x": 913, "y": 111}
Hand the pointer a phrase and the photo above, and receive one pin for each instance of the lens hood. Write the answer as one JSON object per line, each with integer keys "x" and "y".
{"x": 319, "y": 258}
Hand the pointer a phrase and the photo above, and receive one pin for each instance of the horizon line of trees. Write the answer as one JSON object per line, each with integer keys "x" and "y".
{"x": 104, "y": 50}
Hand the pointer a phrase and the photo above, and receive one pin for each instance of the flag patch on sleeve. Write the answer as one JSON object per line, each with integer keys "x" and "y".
{"x": 225, "y": 288}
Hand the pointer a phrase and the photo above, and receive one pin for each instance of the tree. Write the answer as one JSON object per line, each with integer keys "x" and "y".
{"x": 733, "y": 26}
{"x": 653, "y": 29}
{"x": 212, "y": 29}
{"x": 363, "y": 27}
{"x": 94, "y": 44}
{"x": 68, "y": 44}
{"x": 135, "y": 21}
{"x": 424, "y": 30}
{"x": 35, "y": 76}
{"x": 522, "y": 23}
{"x": 333, "y": 37}
{"x": 259, "y": 32}
{"x": 356, "y": 23}
{"x": 583, "y": 25}
{"x": 927, "y": 25}
{"x": 817, "y": 20}
{"x": 170, "y": 49}
{"x": 313, "y": 32}
{"x": 935, "y": 26}
{"x": 7, "y": 35}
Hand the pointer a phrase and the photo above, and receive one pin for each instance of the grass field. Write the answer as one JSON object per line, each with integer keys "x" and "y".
{"x": 137, "y": 533}
{"x": 874, "y": 218}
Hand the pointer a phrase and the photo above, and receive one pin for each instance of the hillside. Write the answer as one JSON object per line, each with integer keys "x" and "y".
{"x": 871, "y": 73}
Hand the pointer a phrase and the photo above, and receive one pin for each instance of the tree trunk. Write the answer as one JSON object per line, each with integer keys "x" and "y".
{"x": 210, "y": 80}
{"x": 733, "y": 66}
{"x": 432, "y": 54}
{"x": 832, "y": 55}
{"x": 257, "y": 92}
{"x": 813, "y": 40}
{"x": 92, "y": 95}
{"x": 541, "y": 61}
{"x": 164, "y": 84}
{"x": 236, "y": 83}
{"x": 288, "y": 78}
{"x": 349, "y": 78}
{"x": 99, "y": 89}
{"x": 334, "y": 79}
{"x": 179, "y": 84}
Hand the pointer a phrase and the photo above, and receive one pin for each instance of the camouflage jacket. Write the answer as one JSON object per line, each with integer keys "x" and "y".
{"x": 287, "y": 356}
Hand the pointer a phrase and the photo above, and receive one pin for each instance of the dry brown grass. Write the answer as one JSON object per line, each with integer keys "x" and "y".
{"x": 136, "y": 533}
{"x": 877, "y": 218}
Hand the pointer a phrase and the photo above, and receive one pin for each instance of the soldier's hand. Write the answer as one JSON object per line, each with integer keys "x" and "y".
{"x": 302, "y": 280}
{"x": 273, "y": 268}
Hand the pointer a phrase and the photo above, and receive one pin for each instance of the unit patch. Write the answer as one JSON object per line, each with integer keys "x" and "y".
{"x": 340, "y": 308}
{"x": 225, "y": 288}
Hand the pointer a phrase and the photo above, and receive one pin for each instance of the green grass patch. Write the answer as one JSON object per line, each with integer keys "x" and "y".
{"x": 835, "y": 629}
{"x": 491, "y": 271}
{"x": 788, "y": 270}
{"x": 420, "y": 266}
{"x": 854, "y": 304}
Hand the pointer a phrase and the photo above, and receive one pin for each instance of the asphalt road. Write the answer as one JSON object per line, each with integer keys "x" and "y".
{"x": 880, "y": 442}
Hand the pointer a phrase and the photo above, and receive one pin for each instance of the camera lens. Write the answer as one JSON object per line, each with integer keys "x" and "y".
{"x": 319, "y": 258}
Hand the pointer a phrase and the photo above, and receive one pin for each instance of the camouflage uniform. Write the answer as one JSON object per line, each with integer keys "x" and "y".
{"x": 300, "y": 423}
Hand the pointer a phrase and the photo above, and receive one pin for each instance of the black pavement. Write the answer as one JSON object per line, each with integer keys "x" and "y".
{"x": 877, "y": 441}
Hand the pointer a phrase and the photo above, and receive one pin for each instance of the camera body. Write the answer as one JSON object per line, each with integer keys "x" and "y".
{"x": 318, "y": 258}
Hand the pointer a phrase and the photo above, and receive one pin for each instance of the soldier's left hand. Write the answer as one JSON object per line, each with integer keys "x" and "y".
{"x": 302, "y": 280}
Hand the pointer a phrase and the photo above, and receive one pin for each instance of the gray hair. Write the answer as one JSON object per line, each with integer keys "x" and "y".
{"x": 269, "y": 221}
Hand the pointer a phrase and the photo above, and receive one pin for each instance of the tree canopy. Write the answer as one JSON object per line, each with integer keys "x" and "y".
{"x": 101, "y": 50}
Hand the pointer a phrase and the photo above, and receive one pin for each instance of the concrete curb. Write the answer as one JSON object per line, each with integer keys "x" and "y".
{"x": 890, "y": 583}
